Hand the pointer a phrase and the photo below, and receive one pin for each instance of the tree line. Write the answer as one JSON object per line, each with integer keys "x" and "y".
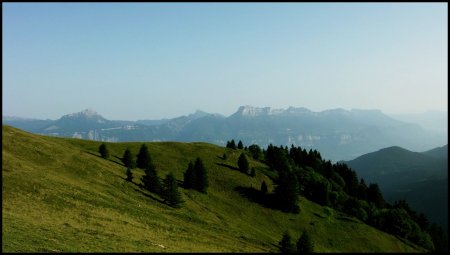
{"x": 195, "y": 177}
{"x": 306, "y": 173}
{"x": 300, "y": 173}
{"x": 303, "y": 245}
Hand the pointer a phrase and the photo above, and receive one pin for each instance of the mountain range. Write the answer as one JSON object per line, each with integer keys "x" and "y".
{"x": 419, "y": 178}
{"x": 339, "y": 134}
{"x": 433, "y": 120}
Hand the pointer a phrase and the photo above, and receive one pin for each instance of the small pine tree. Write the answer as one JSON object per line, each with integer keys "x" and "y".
{"x": 264, "y": 187}
{"x": 129, "y": 175}
{"x": 104, "y": 153}
{"x": 255, "y": 151}
{"x": 243, "y": 163}
{"x": 189, "y": 177}
{"x": 285, "y": 244}
{"x": 150, "y": 179}
{"x": 224, "y": 156}
{"x": 170, "y": 192}
{"x": 232, "y": 144}
{"x": 304, "y": 243}
{"x": 143, "y": 157}
{"x": 201, "y": 177}
{"x": 374, "y": 195}
{"x": 287, "y": 192}
{"x": 253, "y": 172}
{"x": 127, "y": 159}
{"x": 240, "y": 146}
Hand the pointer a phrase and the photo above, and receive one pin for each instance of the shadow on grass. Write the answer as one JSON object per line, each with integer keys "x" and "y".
{"x": 221, "y": 157}
{"x": 256, "y": 196}
{"x": 348, "y": 219}
{"x": 149, "y": 195}
{"x": 106, "y": 159}
{"x": 318, "y": 215}
{"x": 228, "y": 166}
{"x": 266, "y": 200}
{"x": 139, "y": 189}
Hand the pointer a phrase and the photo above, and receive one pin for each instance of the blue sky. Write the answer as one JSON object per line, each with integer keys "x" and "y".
{"x": 155, "y": 60}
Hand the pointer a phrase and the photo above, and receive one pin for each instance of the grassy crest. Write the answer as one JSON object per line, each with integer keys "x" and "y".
{"x": 60, "y": 195}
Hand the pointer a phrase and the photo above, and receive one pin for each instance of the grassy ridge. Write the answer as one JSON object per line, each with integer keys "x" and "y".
{"x": 59, "y": 195}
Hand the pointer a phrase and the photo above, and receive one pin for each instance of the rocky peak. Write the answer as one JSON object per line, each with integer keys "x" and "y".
{"x": 89, "y": 113}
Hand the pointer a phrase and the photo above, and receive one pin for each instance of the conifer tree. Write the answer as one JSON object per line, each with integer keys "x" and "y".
{"x": 170, "y": 192}
{"x": 189, "y": 178}
{"x": 285, "y": 244}
{"x": 232, "y": 144}
{"x": 362, "y": 190}
{"x": 287, "y": 192}
{"x": 304, "y": 244}
{"x": 104, "y": 153}
{"x": 374, "y": 195}
{"x": 195, "y": 176}
{"x": 264, "y": 187}
{"x": 127, "y": 159}
{"x": 240, "y": 146}
{"x": 252, "y": 172}
{"x": 200, "y": 176}
{"x": 150, "y": 179}
{"x": 255, "y": 151}
{"x": 129, "y": 175}
{"x": 143, "y": 157}
{"x": 243, "y": 163}
{"x": 224, "y": 156}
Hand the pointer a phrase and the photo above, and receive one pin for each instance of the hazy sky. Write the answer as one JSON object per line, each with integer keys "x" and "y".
{"x": 154, "y": 60}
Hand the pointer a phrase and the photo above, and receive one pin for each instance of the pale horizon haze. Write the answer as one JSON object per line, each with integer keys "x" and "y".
{"x": 131, "y": 61}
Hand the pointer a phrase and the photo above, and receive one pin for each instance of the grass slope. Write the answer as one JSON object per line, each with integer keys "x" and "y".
{"x": 59, "y": 195}
{"x": 419, "y": 178}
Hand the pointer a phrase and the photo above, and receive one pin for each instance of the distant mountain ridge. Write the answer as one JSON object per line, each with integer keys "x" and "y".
{"x": 419, "y": 178}
{"x": 339, "y": 134}
{"x": 440, "y": 152}
{"x": 432, "y": 120}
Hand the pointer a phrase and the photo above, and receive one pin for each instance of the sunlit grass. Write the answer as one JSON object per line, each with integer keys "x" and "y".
{"x": 59, "y": 195}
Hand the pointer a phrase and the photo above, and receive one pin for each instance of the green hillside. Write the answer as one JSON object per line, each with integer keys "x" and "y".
{"x": 439, "y": 152}
{"x": 60, "y": 195}
{"x": 403, "y": 174}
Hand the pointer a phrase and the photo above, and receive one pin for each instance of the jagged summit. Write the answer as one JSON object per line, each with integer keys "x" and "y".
{"x": 251, "y": 111}
{"x": 198, "y": 114}
{"x": 89, "y": 112}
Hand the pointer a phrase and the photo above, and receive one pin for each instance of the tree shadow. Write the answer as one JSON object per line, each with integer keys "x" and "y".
{"x": 220, "y": 157}
{"x": 146, "y": 194}
{"x": 88, "y": 152}
{"x": 228, "y": 166}
{"x": 319, "y": 216}
{"x": 149, "y": 195}
{"x": 106, "y": 159}
{"x": 347, "y": 219}
{"x": 138, "y": 185}
{"x": 268, "y": 200}
{"x": 256, "y": 196}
